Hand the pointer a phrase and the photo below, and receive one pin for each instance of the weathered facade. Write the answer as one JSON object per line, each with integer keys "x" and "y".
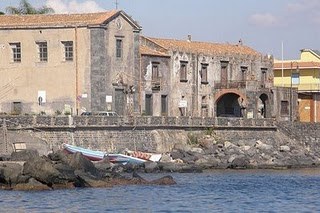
{"x": 207, "y": 80}
{"x": 69, "y": 63}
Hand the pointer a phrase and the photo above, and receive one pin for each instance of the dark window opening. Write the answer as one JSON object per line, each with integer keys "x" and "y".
{"x": 204, "y": 73}
{"x": 284, "y": 108}
{"x": 183, "y": 72}
{"x": 155, "y": 71}
{"x": 17, "y": 108}
{"x": 119, "y": 47}
{"x": 164, "y": 105}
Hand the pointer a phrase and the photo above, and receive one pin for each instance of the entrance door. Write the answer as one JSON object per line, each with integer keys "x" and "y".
{"x": 120, "y": 102}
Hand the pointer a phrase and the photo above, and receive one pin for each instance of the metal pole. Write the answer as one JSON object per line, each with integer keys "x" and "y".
{"x": 291, "y": 92}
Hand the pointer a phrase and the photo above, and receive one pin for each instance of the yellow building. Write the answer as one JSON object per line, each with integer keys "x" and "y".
{"x": 304, "y": 75}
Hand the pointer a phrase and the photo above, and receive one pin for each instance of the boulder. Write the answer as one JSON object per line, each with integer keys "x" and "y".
{"x": 24, "y": 155}
{"x": 240, "y": 163}
{"x": 32, "y": 184}
{"x": 11, "y": 172}
{"x": 166, "y": 180}
{"x": 44, "y": 171}
{"x": 78, "y": 162}
{"x": 150, "y": 167}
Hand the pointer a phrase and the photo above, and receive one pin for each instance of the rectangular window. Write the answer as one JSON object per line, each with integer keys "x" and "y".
{"x": 119, "y": 47}
{"x": 183, "y": 71}
{"x": 148, "y": 106}
{"x": 16, "y": 51}
{"x": 155, "y": 71}
{"x": 204, "y": 73}
{"x": 17, "y": 108}
{"x": 68, "y": 50}
{"x": 164, "y": 105}
{"x": 263, "y": 75}
{"x": 43, "y": 51}
{"x": 244, "y": 71}
{"x": 295, "y": 78}
{"x": 284, "y": 108}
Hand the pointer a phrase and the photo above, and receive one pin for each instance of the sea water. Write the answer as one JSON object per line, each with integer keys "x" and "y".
{"x": 214, "y": 191}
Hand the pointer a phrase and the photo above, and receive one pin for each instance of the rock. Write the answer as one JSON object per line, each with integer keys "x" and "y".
{"x": 227, "y": 144}
{"x": 32, "y": 184}
{"x": 177, "y": 154}
{"x": 196, "y": 150}
{"x": 11, "y": 172}
{"x": 262, "y": 146}
{"x": 43, "y": 170}
{"x": 150, "y": 167}
{"x": 240, "y": 162}
{"x": 78, "y": 162}
{"x": 166, "y": 158}
{"x": 284, "y": 149}
{"x": 104, "y": 165}
{"x": 24, "y": 155}
{"x": 166, "y": 180}
{"x": 245, "y": 148}
{"x": 207, "y": 143}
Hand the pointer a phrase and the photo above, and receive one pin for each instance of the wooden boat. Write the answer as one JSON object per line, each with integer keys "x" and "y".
{"x": 144, "y": 155}
{"x": 99, "y": 155}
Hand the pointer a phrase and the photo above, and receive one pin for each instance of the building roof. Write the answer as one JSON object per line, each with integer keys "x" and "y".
{"x": 203, "y": 47}
{"x": 144, "y": 50}
{"x": 287, "y": 65}
{"x": 57, "y": 20}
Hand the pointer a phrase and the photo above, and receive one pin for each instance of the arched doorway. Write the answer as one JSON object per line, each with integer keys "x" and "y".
{"x": 262, "y": 106}
{"x": 230, "y": 105}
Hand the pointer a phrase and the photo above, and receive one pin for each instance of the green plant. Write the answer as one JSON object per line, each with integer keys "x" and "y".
{"x": 58, "y": 112}
{"x": 67, "y": 113}
{"x": 208, "y": 131}
{"x": 192, "y": 139}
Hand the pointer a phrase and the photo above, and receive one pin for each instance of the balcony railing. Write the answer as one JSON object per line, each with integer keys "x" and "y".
{"x": 301, "y": 87}
{"x": 229, "y": 84}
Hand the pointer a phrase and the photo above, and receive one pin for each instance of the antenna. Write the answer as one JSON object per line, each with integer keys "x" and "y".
{"x": 116, "y": 3}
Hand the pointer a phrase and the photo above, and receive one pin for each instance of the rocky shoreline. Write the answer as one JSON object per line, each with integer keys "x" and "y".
{"x": 27, "y": 170}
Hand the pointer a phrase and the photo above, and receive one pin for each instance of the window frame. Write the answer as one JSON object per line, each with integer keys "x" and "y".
{"x": 155, "y": 71}
{"x": 183, "y": 71}
{"x": 68, "y": 50}
{"x": 42, "y": 51}
{"x": 119, "y": 47}
{"x": 16, "y": 52}
{"x": 204, "y": 73}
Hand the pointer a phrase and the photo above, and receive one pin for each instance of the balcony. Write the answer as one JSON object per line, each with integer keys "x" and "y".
{"x": 302, "y": 87}
{"x": 229, "y": 84}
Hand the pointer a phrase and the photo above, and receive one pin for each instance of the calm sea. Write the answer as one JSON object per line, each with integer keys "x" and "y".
{"x": 216, "y": 191}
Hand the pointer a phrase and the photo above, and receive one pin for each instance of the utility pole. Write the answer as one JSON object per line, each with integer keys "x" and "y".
{"x": 116, "y": 3}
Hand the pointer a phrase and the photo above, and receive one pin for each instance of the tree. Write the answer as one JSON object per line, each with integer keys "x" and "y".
{"x": 26, "y": 8}
{"x": 1, "y": 13}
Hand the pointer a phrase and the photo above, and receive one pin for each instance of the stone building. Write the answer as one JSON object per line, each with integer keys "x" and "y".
{"x": 189, "y": 78}
{"x": 69, "y": 63}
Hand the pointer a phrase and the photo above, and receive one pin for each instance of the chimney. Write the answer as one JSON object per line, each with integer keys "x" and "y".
{"x": 189, "y": 38}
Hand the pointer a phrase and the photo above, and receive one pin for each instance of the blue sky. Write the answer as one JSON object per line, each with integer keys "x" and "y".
{"x": 262, "y": 25}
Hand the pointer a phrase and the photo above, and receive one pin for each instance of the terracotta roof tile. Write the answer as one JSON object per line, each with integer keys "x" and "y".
{"x": 16, "y": 21}
{"x": 144, "y": 50}
{"x": 302, "y": 65}
{"x": 204, "y": 47}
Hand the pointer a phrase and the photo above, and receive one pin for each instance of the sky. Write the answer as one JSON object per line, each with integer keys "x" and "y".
{"x": 276, "y": 27}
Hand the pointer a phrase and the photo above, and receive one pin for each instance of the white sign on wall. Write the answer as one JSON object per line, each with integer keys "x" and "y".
{"x": 41, "y": 97}
{"x": 183, "y": 104}
{"x": 108, "y": 99}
